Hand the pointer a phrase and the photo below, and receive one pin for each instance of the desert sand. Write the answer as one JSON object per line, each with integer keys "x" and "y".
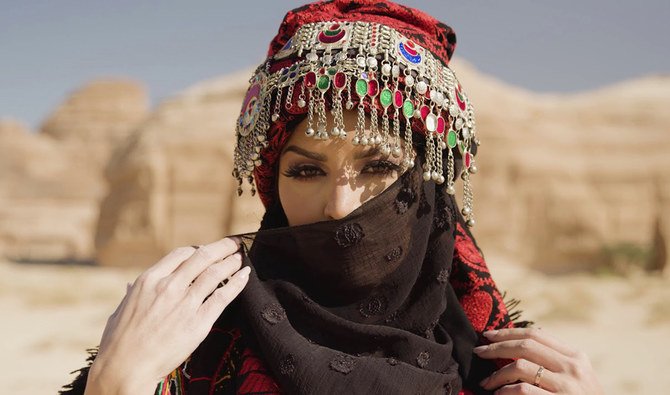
{"x": 52, "y": 313}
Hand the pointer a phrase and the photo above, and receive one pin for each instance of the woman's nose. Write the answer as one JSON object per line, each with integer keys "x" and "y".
{"x": 342, "y": 200}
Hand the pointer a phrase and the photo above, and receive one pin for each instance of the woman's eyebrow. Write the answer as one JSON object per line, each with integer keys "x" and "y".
{"x": 304, "y": 152}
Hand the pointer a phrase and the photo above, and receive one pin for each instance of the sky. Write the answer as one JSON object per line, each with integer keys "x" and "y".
{"x": 50, "y": 48}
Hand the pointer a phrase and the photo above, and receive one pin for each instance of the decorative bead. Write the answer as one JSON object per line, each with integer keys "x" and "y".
{"x": 433, "y": 95}
{"x": 395, "y": 71}
{"x": 310, "y": 79}
{"x": 309, "y": 132}
{"x": 324, "y": 83}
{"x": 396, "y": 151}
{"x": 452, "y": 139}
{"x": 426, "y": 175}
{"x": 473, "y": 169}
{"x": 465, "y": 211}
{"x": 361, "y": 87}
{"x": 453, "y": 110}
{"x": 431, "y": 122}
{"x": 471, "y": 222}
{"x": 439, "y": 97}
{"x": 340, "y": 80}
{"x": 421, "y": 87}
{"x": 360, "y": 61}
{"x": 377, "y": 140}
{"x": 372, "y": 62}
{"x": 355, "y": 141}
{"x": 386, "y": 97}
{"x": 409, "y": 81}
{"x": 440, "y": 125}
{"x": 460, "y": 99}
{"x": 451, "y": 190}
{"x": 349, "y": 105}
{"x": 434, "y": 175}
{"x": 364, "y": 140}
{"x": 343, "y": 134}
{"x": 458, "y": 123}
{"x": 408, "y": 108}
{"x": 336, "y": 131}
{"x": 468, "y": 160}
{"x": 312, "y": 57}
{"x": 466, "y": 133}
{"x": 386, "y": 69}
{"x": 301, "y": 103}
{"x": 386, "y": 150}
{"x": 424, "y": 111}
{"x": 397, "y": 99}
{"x": 411, "y": 163}
{"x": 373, "y": 88}
{"x": 275, "y": 117}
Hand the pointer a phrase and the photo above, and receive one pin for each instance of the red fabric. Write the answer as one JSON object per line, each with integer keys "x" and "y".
{"x": 429, "y": 32}
{"x": 255, "y": 377}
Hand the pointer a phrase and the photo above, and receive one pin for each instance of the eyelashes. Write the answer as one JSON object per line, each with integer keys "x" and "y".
{"x": 379, "y": 168}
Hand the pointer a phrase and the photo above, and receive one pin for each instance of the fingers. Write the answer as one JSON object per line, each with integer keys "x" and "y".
{"x": 531, "y": 333}
{"x": 211, "y": 277}
{"x": 203, "y": 257}
{"x": 165, "y": 265}
{"x": 528, "y": 349}
{"x": 211, "y": 309}
{"x": 521, "y": 388}
{"x": 521, "y": 370}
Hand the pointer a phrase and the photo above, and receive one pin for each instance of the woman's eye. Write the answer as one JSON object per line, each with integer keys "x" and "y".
{"x": 380, "y": 167}
{"x": 303, "y": 172}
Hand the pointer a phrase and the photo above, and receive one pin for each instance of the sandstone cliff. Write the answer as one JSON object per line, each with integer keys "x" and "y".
{"x": 51, "y": 181}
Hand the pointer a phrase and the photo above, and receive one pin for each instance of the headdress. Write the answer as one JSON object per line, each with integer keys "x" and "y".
{"x": 392, "y": 69}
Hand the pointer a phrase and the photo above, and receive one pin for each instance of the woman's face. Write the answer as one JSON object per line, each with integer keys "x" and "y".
{"x": 327, "y": 179}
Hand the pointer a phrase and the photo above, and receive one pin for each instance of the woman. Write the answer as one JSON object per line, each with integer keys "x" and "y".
{"x": 365, "y": 276}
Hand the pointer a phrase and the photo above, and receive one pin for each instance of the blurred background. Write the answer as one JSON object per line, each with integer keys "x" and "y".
{"x": 117, "y": 130}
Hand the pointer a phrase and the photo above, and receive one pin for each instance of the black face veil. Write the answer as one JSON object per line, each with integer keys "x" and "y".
{"x": 363, "y": 304}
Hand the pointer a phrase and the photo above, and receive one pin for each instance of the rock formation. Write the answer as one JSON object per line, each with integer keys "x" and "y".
{"x": 170, "y": 182}
{"x": 564, "y": 176}
{"x": 51, "y": 182}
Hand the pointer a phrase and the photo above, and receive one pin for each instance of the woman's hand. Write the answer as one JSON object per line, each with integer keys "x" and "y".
{"x": 543, "y": 364}
{"x": 164, "y": 317}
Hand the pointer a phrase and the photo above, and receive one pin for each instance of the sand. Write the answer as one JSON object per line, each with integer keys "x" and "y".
{"x": 51, "y": 314}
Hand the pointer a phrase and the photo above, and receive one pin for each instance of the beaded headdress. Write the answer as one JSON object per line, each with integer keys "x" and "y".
{"x": 373, "y": 69}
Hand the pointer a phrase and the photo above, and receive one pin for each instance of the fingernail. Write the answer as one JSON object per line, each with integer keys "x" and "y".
{"x": 244, "y": 272}
{"x": 490, "y": 333}
{"x": 237, "y": 256}
{"x": 480, "y": 349}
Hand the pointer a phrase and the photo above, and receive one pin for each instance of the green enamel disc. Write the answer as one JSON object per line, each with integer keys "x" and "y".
{"x": 361, "y": 87}
{"x": 386, "y": 97}
{"x": 408, "y": 108}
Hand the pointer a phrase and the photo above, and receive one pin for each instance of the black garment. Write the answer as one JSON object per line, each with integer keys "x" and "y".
{"x": 363, "y": 304}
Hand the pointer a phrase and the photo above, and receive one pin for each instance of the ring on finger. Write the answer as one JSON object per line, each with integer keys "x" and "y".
{"x": 538, "y": 376}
